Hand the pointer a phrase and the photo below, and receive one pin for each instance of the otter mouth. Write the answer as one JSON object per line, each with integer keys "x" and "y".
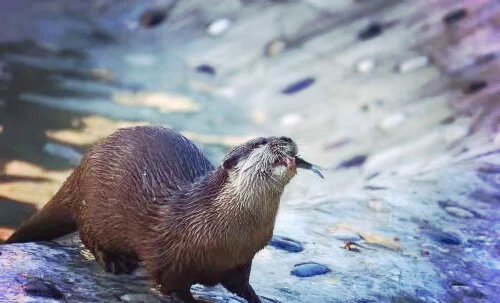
{"x": 301, "y": 163}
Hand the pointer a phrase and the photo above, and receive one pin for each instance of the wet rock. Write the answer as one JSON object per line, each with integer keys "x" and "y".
{"x": 218, "y": 27}
{"x": 39, "y": 288}
{"x": 412, "y": 64}
{"x": 206, "y": 69}
{"x": 345, "y": 235}
{"x": 286, "y": 244}
{"x": 298, "y": 86}
{"x": 309, "y": 269}
{"x": 355, "y": 161}
{"x": 455, "y": 15}
{"x": 371, "y": 31}
{"x": 475, "y": 87}
{"x": 444, "y": 238}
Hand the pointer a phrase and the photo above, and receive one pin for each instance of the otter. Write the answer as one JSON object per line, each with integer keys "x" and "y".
{"x": 146, "y": 196}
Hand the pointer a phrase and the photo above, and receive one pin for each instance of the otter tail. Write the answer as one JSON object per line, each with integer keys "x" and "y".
{"x": 54, "y": 220}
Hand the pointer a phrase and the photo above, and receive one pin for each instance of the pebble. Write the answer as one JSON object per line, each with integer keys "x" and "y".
{"x": 413, "y": 64}
{"x": 455, "y": 16}
{"x": 458, "y": 212}
{"x": 373, "y": 30}
{"x": 346, "y": 235}
{"x": 309, "y": 269}
{"x": 444, "y": 238}
{"x": 39, "y": 288}
{"x": 218, "y": 27}
{"x": 206, "y": 69}
{"x": 475, "y": 87}
{"x": 298, "y": 86}
{"x": 365, "y": 66}
{"x": 286, "y": 244}
{"x": 355, "y": 161}
{"x": 153, "y": 17}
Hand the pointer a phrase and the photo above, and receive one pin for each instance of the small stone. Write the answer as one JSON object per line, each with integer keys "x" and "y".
{"x": 206, "y": 69}
{"x": 275, "y": 47}
{"x": 475, "y": 87}
{"x": 39, "y": 288}
{"x": 392, "y": 121}
{"x": 355, "y": 161}
{"x": 458, "y": 212}
{"x": 373, "y": 30}
{"x": 291, "y": 119}
{"x": 345, "y": 235}
{"x": 455, "y": 15}
{"x": 309, "y": 269}
{"x": 365, "y": 66}
{"x": 153, "y": 17}
{"x": 286, "y": 244}
{"x": 298, "y": 86}
{"x": 412, "y": 64}
{"x": 219, "y": 27}
{"x": 444, "y": 238}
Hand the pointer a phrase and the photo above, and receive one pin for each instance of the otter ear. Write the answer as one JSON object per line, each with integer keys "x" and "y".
{"x": 230, "y": 162}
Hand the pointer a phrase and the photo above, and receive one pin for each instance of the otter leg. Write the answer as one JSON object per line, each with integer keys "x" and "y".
{"x": 116, "y": 263}
{"x": 237, "y": 281}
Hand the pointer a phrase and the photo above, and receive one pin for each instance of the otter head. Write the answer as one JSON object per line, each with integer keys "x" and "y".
{"x": 264, "y": 164}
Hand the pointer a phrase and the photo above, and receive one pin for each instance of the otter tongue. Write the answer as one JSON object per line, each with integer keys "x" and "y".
{"x": 306, "y": 165}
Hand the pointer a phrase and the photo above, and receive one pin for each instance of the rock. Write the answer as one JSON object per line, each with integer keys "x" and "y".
{"x": 365, "y": 66}
{"x": 355, "y": 161}
{"x": 219, "y": 27}
{"x": 412, "y": 64}
{"x": 444, "y": 238}
{"x": 309, "y": 269}
{"x": 345, "y": 235}
{"x": 454, "y": 16}
{"x": 153, "y": 17}
{"x": 298, "y": 86}
{"x": 206, "y": 69}
{"x": 286, "y": 244}
{"x": 373, "y": 30}
{"x": 475, "y": 87}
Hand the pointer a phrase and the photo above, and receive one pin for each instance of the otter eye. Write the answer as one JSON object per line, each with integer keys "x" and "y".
{"x": 261, "y": 142}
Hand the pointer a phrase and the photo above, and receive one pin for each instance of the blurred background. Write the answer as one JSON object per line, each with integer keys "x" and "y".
{"x": 399, "y": 101}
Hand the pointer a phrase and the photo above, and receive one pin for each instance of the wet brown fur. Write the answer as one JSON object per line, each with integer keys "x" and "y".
{"x": 147, "y": 195}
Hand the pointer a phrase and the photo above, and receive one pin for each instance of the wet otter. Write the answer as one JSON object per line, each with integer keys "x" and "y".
{"x": 147, "y": 195}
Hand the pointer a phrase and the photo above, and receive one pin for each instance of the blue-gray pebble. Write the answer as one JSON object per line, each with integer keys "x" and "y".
{"x": 309, "y": 269}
